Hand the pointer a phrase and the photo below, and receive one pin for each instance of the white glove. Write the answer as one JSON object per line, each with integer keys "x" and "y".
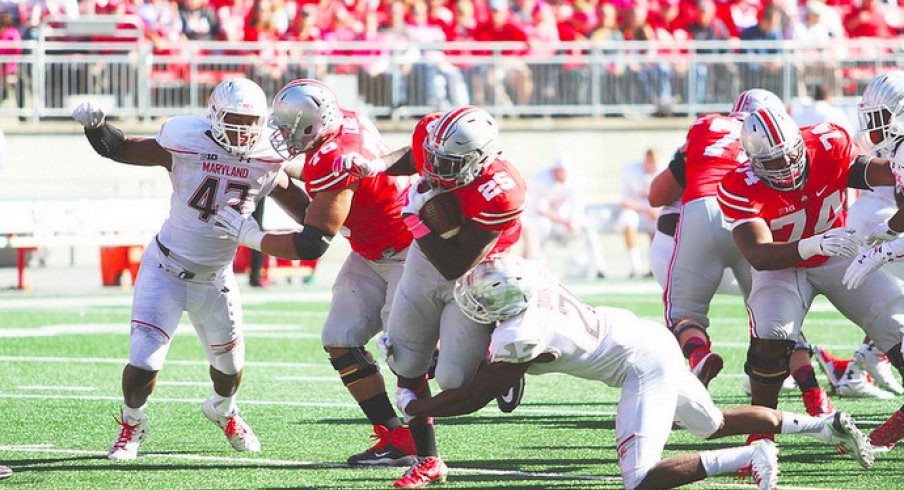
{"x": 404, "y": 396}
{"x": 242, "y": 230}
{"x": 89, "y": 115}
{"x": 417, "y": 199}
{"x": 831, "y": 243}
{"x": 355, "y": 164}
{"x": 384, "y": 346}
{"x": 866, "y": 263}
{"x": 880, "y": 234}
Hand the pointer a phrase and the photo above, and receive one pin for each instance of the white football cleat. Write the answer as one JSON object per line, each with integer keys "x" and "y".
{"x": 877, "y": 365}
{"x": 855, "y": 383}
{"x": 125, "y": 446}
{"x": 840, "y": 430}
{"x": 764, "y": 464}
{"x": 237, "y": 430}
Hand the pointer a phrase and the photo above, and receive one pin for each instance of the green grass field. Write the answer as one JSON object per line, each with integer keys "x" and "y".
{"x": 61, "y": 358}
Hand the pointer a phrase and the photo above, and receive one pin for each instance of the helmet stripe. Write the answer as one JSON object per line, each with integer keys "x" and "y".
{"x": 742, "y": 100}
{"x": 447, "y": 121}
{"x": 773, "y": 131}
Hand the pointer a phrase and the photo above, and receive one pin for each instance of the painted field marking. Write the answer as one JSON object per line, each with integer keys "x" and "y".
{"x": 60, "y": 388}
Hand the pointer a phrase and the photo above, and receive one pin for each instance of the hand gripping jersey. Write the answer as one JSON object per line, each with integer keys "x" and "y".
{"x": 590, "y": 343}
{"x": 791, "y": 215}
{"x": 374, "y": 225}
{"x": 713, "y": 149}
{"x": 205, "y": 177}
{"x": 495, "y": 201}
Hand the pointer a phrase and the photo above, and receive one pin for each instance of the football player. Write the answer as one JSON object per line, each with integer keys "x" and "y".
{"x": 212, "y": 161}
{"x": 787, "y": 212}
{"x": 459, "y": 154}
{"x": 872, "y": 214}
{"x": 367, "y": 211}
{"x": 882, "y": 126}
{"x": 539, "y": 327}
{"x": 704, "y": 249}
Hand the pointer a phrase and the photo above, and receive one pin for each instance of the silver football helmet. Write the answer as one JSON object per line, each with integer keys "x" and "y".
{"x": 242, "y": 97}
{"x": 459, "y": 145}
{"x": 752, "y": 99}
{"x": 775, "y": 146}
{"x": 496, "y": 289}
{"x": 881, "y": 112}
{"x": 305, "y": 113}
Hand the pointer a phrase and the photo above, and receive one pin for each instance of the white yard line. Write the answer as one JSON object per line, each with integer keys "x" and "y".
{"x": 171, "y": 362}
{"x": 316, "y": 379}
{"x": 328, "y": 465}
{"x": 59, "y": 388}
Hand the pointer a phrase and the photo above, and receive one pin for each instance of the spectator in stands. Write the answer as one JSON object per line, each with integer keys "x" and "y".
{"x": 10, "y": 84}
{"x": 764, "y": 72}
{"x": 441, "y": 15}
{"x": 820, "y": 109}
{"x": 38, "y": 10}
{"x": 868, "y": 21}
{"x": 556, "y": 213}
{"x": 263, "y": 27}
{"x": 738, "y": 15}
{"x": 444, "y": 83}
{"x": 654, "y": 76}
{"x": 708, "y": 27}
{"x": 811, "y": 30}
{"x": 828, "y": 16}
{"x": 199, "y": 21}
{"x": 163, "y": 26}
{"x": 304, "y": 25}
{"x": 513, "y": 74}
{"x": 231, "y": 15}
{"x": 637, "y": 216}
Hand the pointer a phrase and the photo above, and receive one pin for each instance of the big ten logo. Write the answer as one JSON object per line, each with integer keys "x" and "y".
{"x": 208, "y": 156}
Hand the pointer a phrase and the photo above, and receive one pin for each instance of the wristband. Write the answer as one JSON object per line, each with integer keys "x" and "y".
{"x": 809, "y": 247}
{"x": 417, "y": 227}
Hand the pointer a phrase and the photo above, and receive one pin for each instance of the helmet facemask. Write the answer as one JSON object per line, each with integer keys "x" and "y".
{"x": 880, "y": 130}
{"x": 784, "y": 169}
{"x": 238, "y": 113}
{"x": 452, "y": 171}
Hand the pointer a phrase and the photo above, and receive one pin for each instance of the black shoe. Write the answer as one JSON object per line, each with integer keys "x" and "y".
{"x": 509, "y": 401}
{"x": 600, "y": 275}
{"x": 386, "y": 451}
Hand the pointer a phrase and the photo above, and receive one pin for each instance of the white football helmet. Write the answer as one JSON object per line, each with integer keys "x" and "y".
{"x": 751, "y": 100}
{"x": 459, "y": 145}
{"x": 775, "y": 146}
{"x": 243, "y": 97}
{"x": 496, "y": 289}
{"x": 305, "y": 113}
{"x": 881, "y": 112}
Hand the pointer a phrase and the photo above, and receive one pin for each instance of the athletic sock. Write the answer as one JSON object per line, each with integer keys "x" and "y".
{"x": 379, "y": 411}
{"x": 224, "y": 405}
{"x": 131, "y": 415}
{"x": 729, "y": 460}
{"x": 806, "y": 378}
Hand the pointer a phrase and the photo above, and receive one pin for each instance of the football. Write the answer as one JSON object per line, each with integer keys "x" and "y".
{"x": 442, "y": 214}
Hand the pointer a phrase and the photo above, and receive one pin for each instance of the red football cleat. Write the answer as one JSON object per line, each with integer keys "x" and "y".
{"x": 426, "y": 471}
{"x": 890, "y": 432}
{"x": 817, "y": 402}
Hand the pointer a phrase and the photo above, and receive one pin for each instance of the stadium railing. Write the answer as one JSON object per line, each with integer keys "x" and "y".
{"x": 107, "y": 58}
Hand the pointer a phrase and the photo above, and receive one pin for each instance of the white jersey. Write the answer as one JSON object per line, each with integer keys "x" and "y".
{"x": 205, "y": 176}
{"x": 591, "y": 343}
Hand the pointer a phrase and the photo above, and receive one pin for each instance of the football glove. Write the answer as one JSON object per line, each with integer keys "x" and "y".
{"x": 416, "y": 199}
{"x": 242, "y": 230}
{"x": 835, "y": 242}
{"x": 403, "y": 397}
{"x": 89, "y": 115}
{"x": 358, "y": 166}
{"x": 881, "y": 233}
{"x": 867, "y": 262}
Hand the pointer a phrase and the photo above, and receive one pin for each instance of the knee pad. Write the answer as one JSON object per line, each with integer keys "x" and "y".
{"x": 354, "y": 366}
{"x": 147, "y": 347}
{"x": 768, "y": 360}
{"x": 227, "y": 358}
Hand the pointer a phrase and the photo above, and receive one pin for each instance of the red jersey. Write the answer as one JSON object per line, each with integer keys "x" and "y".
{"x": 494, "y": 201}
{"x": 815, "y": 208}
{"x": 713, "y": 149}
{"x": 374, "y": 225}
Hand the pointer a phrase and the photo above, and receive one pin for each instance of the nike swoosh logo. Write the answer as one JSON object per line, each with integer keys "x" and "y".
{"x": 382, "y": 454}
{"x": 820, "y": 191}
{"x": 509, "y": 395}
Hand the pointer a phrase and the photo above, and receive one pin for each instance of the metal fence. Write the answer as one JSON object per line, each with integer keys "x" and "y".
{"x": 134, "y": 78}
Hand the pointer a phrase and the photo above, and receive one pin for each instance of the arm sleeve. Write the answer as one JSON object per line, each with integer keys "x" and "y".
{"x": 677, "y": 166}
